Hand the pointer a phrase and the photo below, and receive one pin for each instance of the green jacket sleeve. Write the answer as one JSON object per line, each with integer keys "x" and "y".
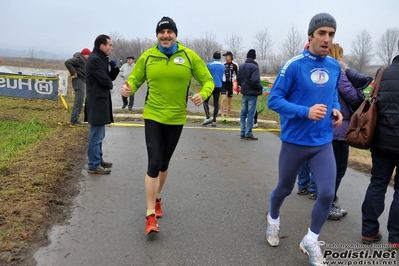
{"x": 137, "y": 77}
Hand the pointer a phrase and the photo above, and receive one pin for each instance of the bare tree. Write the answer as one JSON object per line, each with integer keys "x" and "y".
{"x": 135, "y": 47}
{"x": 387, "y": 46}
{"x": 234, "y": 44}
{"x": 204, "y": 47}
{"x": 263, "y": 46}
{"x": 293, "y": 44}
{"x": 275, "y": 63}
{"x": 362, "y": 51}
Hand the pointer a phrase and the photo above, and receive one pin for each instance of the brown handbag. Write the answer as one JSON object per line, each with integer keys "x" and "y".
{"x": 361, "y": 126}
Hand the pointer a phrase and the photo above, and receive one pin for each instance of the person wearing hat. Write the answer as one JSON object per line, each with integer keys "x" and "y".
{"x": 168, "y": 68}
{"x": 124, "y": 72}
{"x": 77, "y": 68}
{"x": 217, "y": 70}
{"x": 306, "y": 97}
{"x": 230, "y": 73}
{"x": 248, "y": 79}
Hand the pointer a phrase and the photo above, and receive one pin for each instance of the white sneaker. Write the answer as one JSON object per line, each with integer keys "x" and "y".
{"x": 256, "y": 125}
{"x": 272, "y": 233}
{"x": 207, "y": 121}
{"x": 313, "y": 250}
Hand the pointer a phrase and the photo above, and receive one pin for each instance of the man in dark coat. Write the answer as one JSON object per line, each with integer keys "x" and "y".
{"x": 98, "y": 106}
{"x": 385, "y": 158}
{"x": 77, "y": 69}
{"x": 249, "y": 80}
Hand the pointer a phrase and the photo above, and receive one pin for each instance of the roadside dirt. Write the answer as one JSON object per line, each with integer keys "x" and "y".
{"x": 40, "y": 214}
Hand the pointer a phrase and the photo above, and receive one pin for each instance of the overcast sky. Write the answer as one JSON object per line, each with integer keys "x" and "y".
{"x": 70, "y": 25}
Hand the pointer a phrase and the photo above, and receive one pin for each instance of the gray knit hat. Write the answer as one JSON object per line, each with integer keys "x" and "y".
{"x": 322, "y": 20}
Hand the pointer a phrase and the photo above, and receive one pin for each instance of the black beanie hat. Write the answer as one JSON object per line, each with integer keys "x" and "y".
{"x": 166, "y": 23}
{"x": 251, "y": 54}
{"x": 322, "y": 20}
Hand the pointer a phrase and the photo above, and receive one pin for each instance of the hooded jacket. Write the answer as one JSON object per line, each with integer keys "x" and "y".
{"x": 386, "y": 133}
{"x": 77, "y": 64}
{"x": 248, "y": 78}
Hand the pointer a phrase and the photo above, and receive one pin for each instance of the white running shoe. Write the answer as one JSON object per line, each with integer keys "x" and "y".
{"x": 207, "y": 121}
{"x": 313, "y": 251}
{"x": 256, "y": 125}
{"x": 272, "y": 233}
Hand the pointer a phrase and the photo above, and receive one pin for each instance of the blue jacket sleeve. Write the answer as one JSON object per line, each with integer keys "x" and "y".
{"x": 279, "y": 94}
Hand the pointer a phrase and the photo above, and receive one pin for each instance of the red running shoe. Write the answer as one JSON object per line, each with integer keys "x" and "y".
{"x": 151, "y": 224}
{"x": 158, "y": 208}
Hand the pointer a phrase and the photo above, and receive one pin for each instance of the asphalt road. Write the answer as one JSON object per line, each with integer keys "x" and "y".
{"x": 215, "y": 202}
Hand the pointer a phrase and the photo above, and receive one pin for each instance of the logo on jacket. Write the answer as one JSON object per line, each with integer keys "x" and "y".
{"x": 319, "y": 76}
{"x": 179, "y": 60}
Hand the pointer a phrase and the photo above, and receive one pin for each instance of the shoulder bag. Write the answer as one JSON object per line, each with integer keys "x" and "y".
{"x": 361, "y": 126}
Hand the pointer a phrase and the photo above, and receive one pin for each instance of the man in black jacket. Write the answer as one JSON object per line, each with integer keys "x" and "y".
{"x": 98, "y": 106}
{"x": 385, "y": 158}
{"x": 248, "y": 79}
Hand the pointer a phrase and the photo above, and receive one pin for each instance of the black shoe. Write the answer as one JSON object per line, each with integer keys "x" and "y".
{"x": 130, "y": 108}
{"x": 251, "y": 138}
{"x": 124, "y": 105}
{"x": 242, "y": 137}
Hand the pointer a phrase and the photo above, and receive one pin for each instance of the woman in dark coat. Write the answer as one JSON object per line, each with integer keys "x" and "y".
{"x": 350, "y": 93}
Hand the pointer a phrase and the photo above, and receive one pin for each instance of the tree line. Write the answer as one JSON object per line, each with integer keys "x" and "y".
{"x": 363, "y": 50}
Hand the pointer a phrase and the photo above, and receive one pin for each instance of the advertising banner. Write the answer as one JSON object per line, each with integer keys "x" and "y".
{"x": 61, "y": 74}
{"x": 29, "y": 86}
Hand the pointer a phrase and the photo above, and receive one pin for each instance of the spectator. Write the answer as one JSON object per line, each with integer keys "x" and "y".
{"x": 348, "y": 95}
{"x": 385, "y": 158}
{"x": 98, "y": 106}
{"x": 306, "y": 181}
{"x": 248, "y": 79}
{"x": 125, "y": 71}
{"x": 77, "y": 68}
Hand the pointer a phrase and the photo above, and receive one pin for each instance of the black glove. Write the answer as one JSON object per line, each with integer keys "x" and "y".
{"x": 112, "y": 63}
